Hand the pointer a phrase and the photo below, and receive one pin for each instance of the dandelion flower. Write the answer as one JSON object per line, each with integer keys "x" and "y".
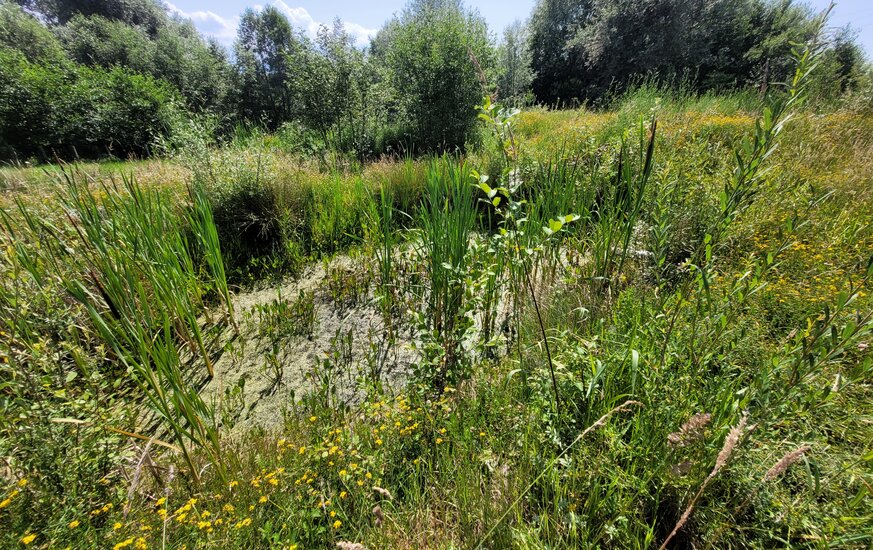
{"x": 263, "y": 499}
{"x": 337, "y": 524}
{"x": 73, "y": 524}
{"x": 27, "y": 539}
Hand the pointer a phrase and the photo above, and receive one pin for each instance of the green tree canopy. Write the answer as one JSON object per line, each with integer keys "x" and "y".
{"x": 438, "y": 55}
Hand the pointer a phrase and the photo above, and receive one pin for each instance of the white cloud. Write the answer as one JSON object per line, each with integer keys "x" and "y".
{"x": 210, "y": 23}
{"x": 224, "y": 28}
{"x": 300, "y": 18}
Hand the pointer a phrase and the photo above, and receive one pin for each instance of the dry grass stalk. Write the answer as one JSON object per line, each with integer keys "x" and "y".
{"x": 343, "y": 545}
{"x": 384, "y": 493}
{"x": 624, "y": 407}
{"x": 785, "y": 462}
{"x": 727, "y": 449}
{"x": 690, "y": 431}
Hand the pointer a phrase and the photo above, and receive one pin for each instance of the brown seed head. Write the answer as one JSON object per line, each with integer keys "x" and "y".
{"x": 377, "y": 511}
{"x": 690, "y": 431}
{"x": 785, "y": 462}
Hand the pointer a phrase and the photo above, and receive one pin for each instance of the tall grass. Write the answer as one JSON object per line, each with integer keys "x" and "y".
{"x": 446, "y": 219}
{"x": 132, "y": 268}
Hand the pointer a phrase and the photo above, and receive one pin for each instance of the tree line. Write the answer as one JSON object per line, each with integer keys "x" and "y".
{"x": 90, "y": 78}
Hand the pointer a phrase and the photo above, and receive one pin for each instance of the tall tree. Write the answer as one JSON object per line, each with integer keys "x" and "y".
{"x": 265, "y": 47}
{"x": 148, "y": 14}
{"x": 439, "y": 56}
{"x": 514, "y": 64}
{"x": 558, "y": 75}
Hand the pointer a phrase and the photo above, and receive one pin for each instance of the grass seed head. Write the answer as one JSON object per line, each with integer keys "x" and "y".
{"x": 785, "y": 462}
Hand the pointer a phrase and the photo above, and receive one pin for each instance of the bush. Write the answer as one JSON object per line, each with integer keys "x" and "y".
{"x": 436, "y": 53}
{"x": 72, "y": 111}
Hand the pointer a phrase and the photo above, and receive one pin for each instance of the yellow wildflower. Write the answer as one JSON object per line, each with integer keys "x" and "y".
{"x": 22, "y": 482}
{"x": 123, "y": 544}
{"x": 27, "y": 539}
{"x": 73, "y": 524}
{"x": 337, "y": 524}
{"x": 244, "y": 523}
{"x": 263, "y": 499}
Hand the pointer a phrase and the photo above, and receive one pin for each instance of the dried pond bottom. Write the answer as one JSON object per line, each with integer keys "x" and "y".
{"x": 320, "y": 333}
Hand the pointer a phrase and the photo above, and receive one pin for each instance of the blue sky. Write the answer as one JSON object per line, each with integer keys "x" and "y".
{"x": 219, "y": 18}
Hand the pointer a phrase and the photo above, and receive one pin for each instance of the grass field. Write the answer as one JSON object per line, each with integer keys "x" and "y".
{"x": 637, "y": 328}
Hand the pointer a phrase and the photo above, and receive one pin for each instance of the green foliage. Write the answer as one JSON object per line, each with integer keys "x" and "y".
{"x": 446, "y": 218}
{"x": 282, "y": 318}
{"x": 438, "y": 55}
{"x": 514, "y": 65}
{"x": 22, "y": 32}
{"x": 49, "y": 111}
{"x": 176, "y": 53}
{"x": 623, "y": 335}
{"x": 582, "y": 49}
{"x": 263, "y": 50}
{"x": 147, "y": 14}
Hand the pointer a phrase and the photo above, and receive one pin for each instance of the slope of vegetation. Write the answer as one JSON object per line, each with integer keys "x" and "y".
{"x": 645, "y": 325}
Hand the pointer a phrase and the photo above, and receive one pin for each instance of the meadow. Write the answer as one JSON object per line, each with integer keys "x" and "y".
{"x": 647, "y": 326}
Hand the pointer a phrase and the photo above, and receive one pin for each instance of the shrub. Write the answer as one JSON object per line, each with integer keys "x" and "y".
{"x": 68, "y": 112}
{"x": 436, "y": 53}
